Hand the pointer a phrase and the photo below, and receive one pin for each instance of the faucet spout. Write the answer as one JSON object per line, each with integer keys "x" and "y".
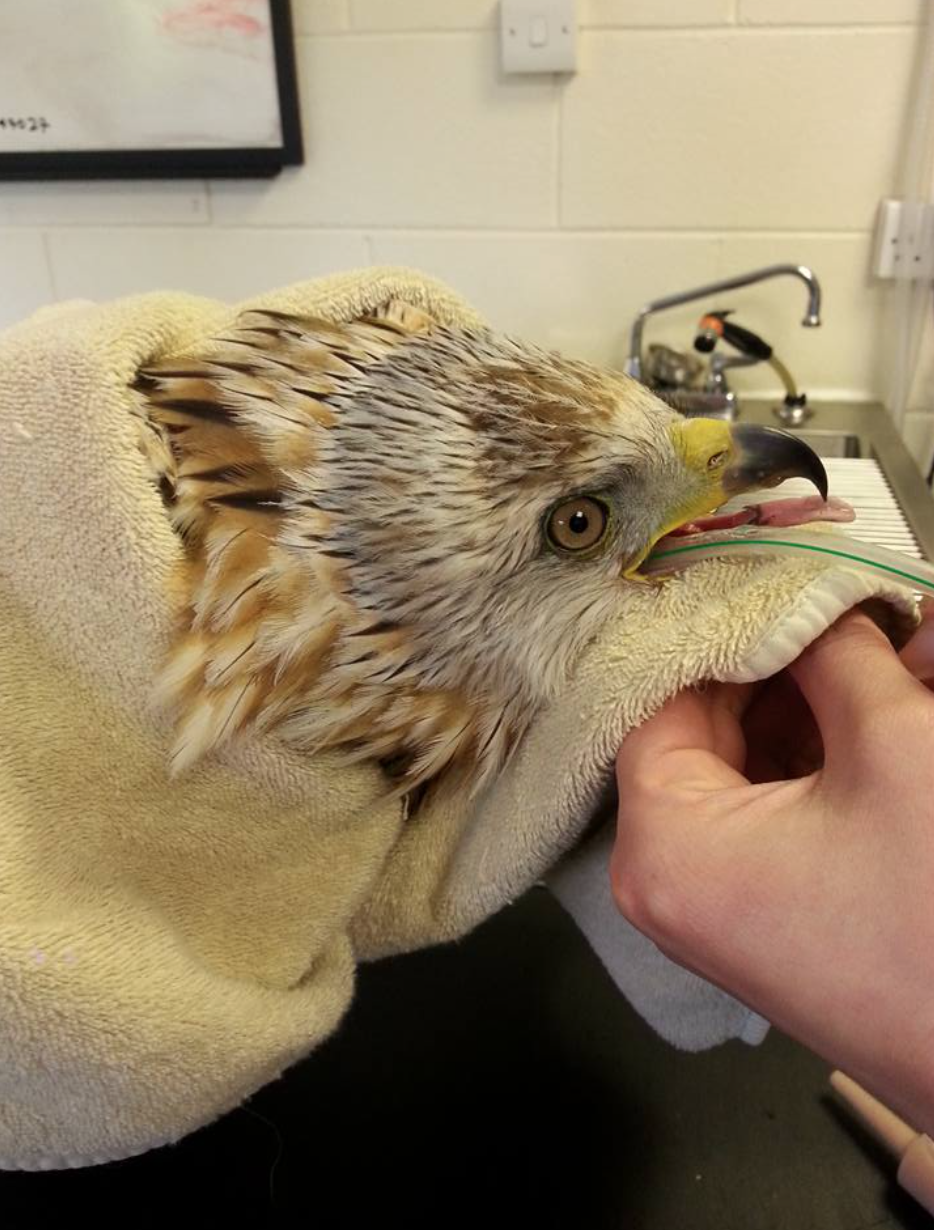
{"x": 802, "y": 272}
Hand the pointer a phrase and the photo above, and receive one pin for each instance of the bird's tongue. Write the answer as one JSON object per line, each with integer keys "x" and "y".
{"x": 797, "y": 511}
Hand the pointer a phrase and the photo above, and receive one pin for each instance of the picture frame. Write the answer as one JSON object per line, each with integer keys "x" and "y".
{"x": 147, "y": 89}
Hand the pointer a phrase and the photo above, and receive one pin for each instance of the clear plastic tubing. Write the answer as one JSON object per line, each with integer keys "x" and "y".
{"x": 673, "y": 554}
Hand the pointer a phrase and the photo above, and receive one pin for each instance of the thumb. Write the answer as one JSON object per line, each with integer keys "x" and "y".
{"x": 675, "y": 773}
{"x": 664, "y": 769}
{"x": 689, "y": 823}
{"x": 694, "y": 742}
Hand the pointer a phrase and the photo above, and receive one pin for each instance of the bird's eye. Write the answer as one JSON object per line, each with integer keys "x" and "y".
{"x": 717, "y": 459}
{"x": 577, "y": 525}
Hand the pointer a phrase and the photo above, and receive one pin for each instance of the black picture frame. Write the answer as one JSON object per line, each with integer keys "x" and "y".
{"x": 247, "y": 163}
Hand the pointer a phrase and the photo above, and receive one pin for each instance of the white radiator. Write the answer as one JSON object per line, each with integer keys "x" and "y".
{"x": 860, "y": 482}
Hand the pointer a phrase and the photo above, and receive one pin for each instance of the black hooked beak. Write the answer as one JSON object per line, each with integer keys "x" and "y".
{"x": 766, "y": 456}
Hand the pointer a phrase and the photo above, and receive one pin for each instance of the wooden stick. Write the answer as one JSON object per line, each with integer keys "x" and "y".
{"x": 914, "y": 1150}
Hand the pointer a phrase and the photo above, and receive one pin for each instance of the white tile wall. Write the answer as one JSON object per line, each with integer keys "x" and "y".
{"x": 105, "y": 202}
{"x": 685, "y": 13}
{"x": 830, "y": 12}
{"x": 698, "y": 138}
{"x": 733, "y": 129}
{"x": 424, "y": 14}
{"x": 24, "y": 275}
{"x": 420, "y": 130}
{"x": 569, "y": 292}
{"x": 320, "y": 16}
{"x": 224, "y": 262}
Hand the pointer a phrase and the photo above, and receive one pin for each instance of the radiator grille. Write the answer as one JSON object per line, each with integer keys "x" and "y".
{"x": 861, "y": 482}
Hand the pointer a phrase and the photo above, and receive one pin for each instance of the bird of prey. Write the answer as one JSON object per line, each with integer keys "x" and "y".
{"x": 399, "y": 535}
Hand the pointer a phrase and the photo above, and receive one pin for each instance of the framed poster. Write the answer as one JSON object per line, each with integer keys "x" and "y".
{"x": 147, "y": 89}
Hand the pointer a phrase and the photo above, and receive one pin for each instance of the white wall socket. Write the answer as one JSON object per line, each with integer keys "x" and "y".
{"x": 904, "y": 243}
{"x": 538, "y": 36}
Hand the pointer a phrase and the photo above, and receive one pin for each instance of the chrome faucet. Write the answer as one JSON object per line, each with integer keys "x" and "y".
{"x": 810, "y": 321}
{"x": 719, "y": 365}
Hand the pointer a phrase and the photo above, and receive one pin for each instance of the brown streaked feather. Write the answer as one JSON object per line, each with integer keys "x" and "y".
{"x": 362, "y": 508}
{"x": 264, "y": 623}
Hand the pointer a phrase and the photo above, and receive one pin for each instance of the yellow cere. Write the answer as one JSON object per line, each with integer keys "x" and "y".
{"x": 697, "y": 440}
{"x": 706, "y": 447}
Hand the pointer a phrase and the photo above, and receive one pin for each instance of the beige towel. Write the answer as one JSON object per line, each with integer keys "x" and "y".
{"x": 167, "y": 947}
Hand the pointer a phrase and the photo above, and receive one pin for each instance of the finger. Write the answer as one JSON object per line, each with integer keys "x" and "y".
{"x": 680, "y": 748}
{"x": 845, "y": 675}
{"x": 918, "y": 654}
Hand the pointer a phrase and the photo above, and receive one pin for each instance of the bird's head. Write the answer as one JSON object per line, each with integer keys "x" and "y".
{"x": 441, "y": 531}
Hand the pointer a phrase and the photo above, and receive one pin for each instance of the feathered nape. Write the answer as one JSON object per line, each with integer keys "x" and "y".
{"x": 272, "y": 636}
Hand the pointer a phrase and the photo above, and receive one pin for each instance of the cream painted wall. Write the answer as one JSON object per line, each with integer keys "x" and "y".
{"x": 698, "y": 138}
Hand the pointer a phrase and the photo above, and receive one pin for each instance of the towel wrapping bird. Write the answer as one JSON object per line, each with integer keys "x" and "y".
{"x": 175, "y": 934}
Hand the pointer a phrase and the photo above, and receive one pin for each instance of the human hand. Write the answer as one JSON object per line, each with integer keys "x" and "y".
{"x": 779, "y": 840}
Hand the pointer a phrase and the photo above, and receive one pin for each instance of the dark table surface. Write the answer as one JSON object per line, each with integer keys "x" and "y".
{"x": 502, "y": 1081}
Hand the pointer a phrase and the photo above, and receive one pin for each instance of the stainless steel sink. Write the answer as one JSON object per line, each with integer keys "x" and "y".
{"x": 863, "y": 429}
{"x": 830, "y": 443}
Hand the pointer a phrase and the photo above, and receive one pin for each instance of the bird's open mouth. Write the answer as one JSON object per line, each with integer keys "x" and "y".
{"x": 799, "y": 510}
{"x": 739, "y": 462}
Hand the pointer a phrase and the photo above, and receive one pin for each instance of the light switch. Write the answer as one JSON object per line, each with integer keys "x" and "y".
{"x": 538, "y": 36}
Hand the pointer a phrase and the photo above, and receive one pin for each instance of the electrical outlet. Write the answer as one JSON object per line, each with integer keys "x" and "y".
{"x": 886, "y": 254}
{"x": 904, "y": 243}
{"x": 538, "y": 36}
